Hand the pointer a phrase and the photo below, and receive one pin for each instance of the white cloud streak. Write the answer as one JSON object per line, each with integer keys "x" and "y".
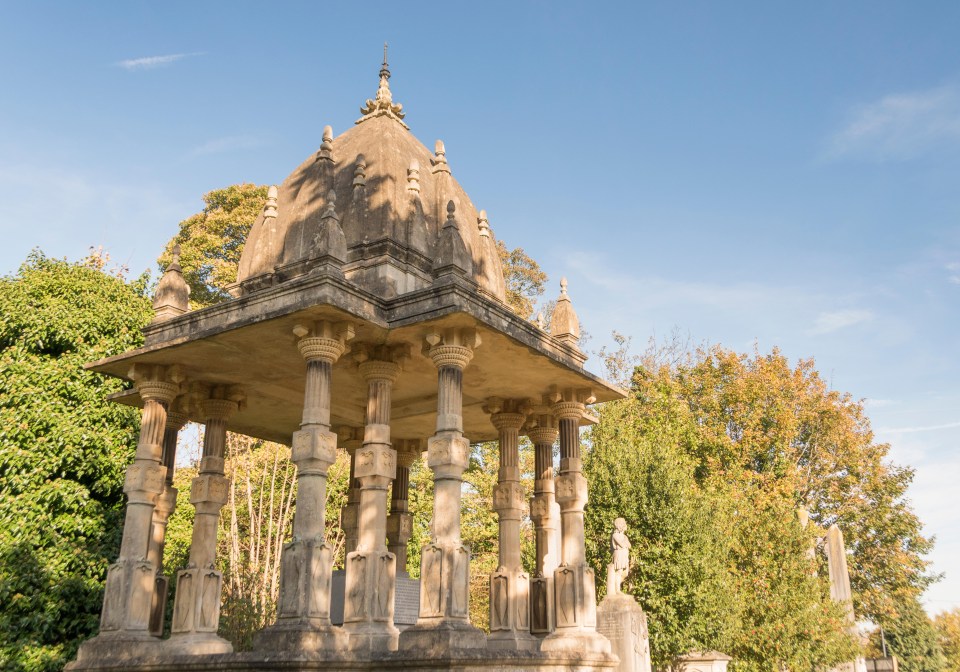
{"x": 901, "y": 126}
{"x": 150, "y": 62}
{"x": 831, "y": 321}
{"x": 916, "y": 429}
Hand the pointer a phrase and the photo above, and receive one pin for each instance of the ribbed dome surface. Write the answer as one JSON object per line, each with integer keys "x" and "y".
{"x": 388, "y": 187}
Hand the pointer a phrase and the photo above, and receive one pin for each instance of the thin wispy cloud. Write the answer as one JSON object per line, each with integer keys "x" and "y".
{"x": 919, "y": 428}
{"x": 830, "y": 321}
{"x": 227, "y": 144}
{"x": 953, "y": 273}
{"x": 150, "y": 62}
{"x": 901, "y": 126}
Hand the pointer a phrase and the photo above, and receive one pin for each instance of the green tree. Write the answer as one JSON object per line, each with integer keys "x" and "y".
{"x": 525, "y": 280}
{"x": 913, "y": 639}
{"x": 947, "y": 624}
{"x": 63, "y": 451}
{"x": 211, "y": 241}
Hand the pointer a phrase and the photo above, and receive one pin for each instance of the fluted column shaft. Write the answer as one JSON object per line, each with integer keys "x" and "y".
{"x": 575, "y": 609}
{"x": 129, "y": 591}
{"x": 545, "y": 515}
{"x": 509, "y": 584}
{"x": 196, "y": 608}
{"x": 400, "y": 522}
{"x": 371, "y": 568}
{"x": 166, "y": 504}
{"x": 445, "y": 562}
{"x": 306, "y": 564}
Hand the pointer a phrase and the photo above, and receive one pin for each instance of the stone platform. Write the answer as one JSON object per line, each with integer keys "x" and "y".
{"x": 477, "y": 661}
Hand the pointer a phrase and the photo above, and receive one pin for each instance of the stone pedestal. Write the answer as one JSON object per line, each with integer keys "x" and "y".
{"x": 621, "y": 620}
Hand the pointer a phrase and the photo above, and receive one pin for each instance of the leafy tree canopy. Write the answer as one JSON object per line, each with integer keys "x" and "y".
{"x": 211, "y": 241}
{"x": 63, "y": 451}
{"x": 948, "y": 632}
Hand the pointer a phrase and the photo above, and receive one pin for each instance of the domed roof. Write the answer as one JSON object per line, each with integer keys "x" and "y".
{"x": 393, "y": 202}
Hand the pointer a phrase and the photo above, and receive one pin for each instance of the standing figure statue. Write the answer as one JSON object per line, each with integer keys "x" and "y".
{"x": 618, "y": 570}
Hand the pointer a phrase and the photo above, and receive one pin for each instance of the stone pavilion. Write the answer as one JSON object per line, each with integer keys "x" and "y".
{"x": 369, "y": 316}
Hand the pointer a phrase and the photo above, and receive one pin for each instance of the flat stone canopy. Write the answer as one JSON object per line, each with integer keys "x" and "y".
{"x": 217, "y": 344}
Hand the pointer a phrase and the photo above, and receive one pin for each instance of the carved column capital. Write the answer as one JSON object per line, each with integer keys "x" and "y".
{"x": 569, "y": 410}
{"x": 157, "y": 382}
{"x": 452, "y": 347}
{"x": 378, "y": 370}
{"x": 408, "y": 450}
{"x": 323, "y": 340}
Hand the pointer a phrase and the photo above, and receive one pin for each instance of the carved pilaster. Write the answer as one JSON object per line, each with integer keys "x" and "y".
{"x": 445, "y": 562}
{"x": 545, "y": 515}
{"x": 371, "y": 568}
{"x": 306, "y": 564}
{"x": 129, "y": 592}
{"x": 165, "y": 506}
{"x": 574, "y": 583}
{"x": 400, "y": 520}
{"x": 196, "y": 608}
{"x": 509, "y": 584}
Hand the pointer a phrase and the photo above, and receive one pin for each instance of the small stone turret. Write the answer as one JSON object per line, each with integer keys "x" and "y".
{"x": 452, "y": 255}
{"x": 564, "y": 323}
{"x": 490, "y": 270}
{"x": 173, "y": 293}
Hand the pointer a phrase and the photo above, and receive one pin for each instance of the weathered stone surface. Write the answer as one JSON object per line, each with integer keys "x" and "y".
{"x": 621, "y": 620}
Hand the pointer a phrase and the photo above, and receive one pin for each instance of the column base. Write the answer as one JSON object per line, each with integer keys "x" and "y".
{"x": 541, "y": 605}
{"x": 117, "y": 645}
{"x": 510, "y": 611}
{"x": 196, "y": 644}
{"x": 433, "y": 638}
{"x": 372, "y": 637}
{"x": 305, "y": 635}
{"x": 512, "y": 640}
{"x": 570, "y": 640}
{"x": 369, "y": 601}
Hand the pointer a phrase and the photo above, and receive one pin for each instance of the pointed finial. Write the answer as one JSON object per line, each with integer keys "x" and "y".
{"x": 540, "y": 323}
{"x": 270, "y": 208}
{"x": 440, "y": 164}
{"x": 359, "y": 173}
{"x": 172, "y": 297}
{"x": 331, "y": 210}
{"x": 451, "y": 209}
{"x": 483, "y": 224}
{"x": 326, "y": 147}
{"x": 383, "y": 103}
{"x": 413, "y": 176}
{"x": 564, "y": 323}
{"x": 385, "y": 70}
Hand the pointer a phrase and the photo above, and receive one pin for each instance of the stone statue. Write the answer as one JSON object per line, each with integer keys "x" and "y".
{"x": 619, "y": 569}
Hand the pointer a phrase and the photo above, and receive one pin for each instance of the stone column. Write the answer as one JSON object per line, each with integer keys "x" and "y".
{"x": 509, "y": 585}
{"x": 400, "y": 520}
{"x": 306, "y": 566}
{"x": 351, "y": 438}
{"x": 444, "y": 622}
{"x": 575, "y": 590}
{"x": 371, "y": 569}
{"x": 545, "y": 514}
{"x": 166, "y": 503}
{"x": 129, "y": 590}
{"x": 196, "y": 607}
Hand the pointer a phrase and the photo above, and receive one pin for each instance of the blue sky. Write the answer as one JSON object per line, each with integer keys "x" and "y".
{"x": 743, "y": 172}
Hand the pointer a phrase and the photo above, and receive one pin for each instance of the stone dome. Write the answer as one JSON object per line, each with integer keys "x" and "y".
{"x": 379, "y": 206}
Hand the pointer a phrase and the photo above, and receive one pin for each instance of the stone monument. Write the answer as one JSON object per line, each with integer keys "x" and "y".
{"x": 840, "y": 590}
{"x": 369, "y": 316}
{"x": 619, "y": 618}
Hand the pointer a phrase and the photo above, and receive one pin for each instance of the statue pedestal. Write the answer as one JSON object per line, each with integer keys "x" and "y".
{"x": 621, "y": 620}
